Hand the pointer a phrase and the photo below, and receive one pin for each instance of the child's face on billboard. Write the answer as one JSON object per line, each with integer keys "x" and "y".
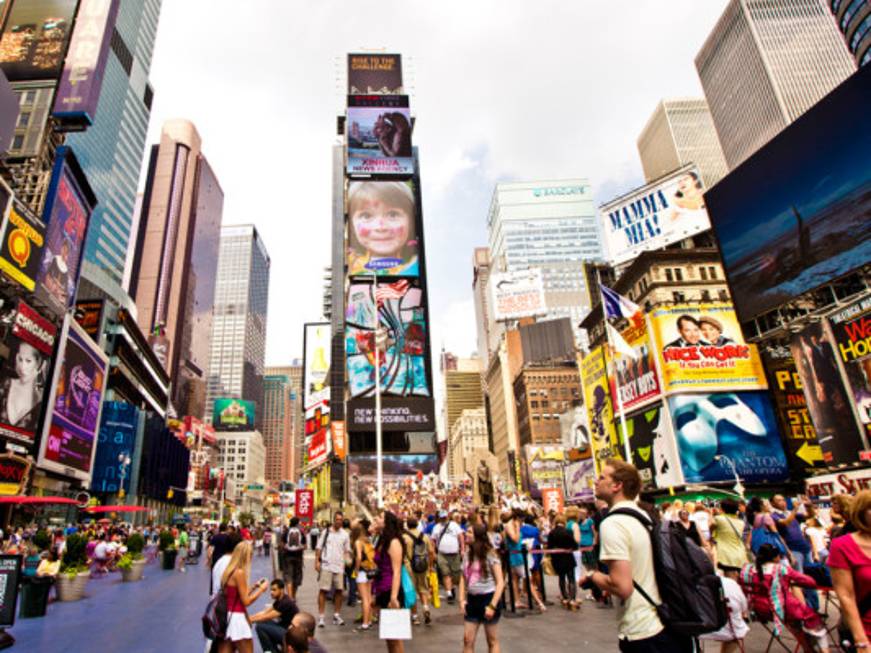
{"x": 380, "y": 228}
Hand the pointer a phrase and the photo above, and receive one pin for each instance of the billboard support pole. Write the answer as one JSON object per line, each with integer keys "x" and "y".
{"x": 379, "y": 456}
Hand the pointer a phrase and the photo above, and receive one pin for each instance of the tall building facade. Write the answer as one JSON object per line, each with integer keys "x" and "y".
{"x": 766, "y": 63}
{"x": 468, "y": 435}
{"x": 175, "y": 262}
{"x": 854, "y": 20}
{"x": 680, "y": 132}
{"x": 462, "y": 389}
{"x": 112, "y": 149}
{"x": 277, "y": 426}
{"x": 551, "y": 225}
{"x": 239, "y": 326}
{"x": 486, "y": 325}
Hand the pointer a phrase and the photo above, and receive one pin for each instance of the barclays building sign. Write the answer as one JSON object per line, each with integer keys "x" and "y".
{"x": 559, "y": 190}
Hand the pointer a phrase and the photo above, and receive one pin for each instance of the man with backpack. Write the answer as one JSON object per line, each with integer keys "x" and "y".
{"x": 294, "y": 546}
{"x": 627, "y": 550}
{"x": 448, "y": 538}
{"x": 419, "y": 558}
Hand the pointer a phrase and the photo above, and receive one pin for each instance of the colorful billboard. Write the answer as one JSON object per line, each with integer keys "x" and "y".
{"x": 517, "y": 294}
{"x": 403, "y": 355}
{"x": 71, "y": 427}
{"x": 397, "y": 414}
{"x": 318, "y": 447}
{"x": 655, "y": 215}
{"x": 68, "y": 210}
{"x": 379, "y": 135}
{"x": 316, "y": 361}
{"x": 635, "y": 380}
{"x": 851, "y": 330}
{"x": 23, "y": 239}
{"x": 89, "y": 314}
{"x": 115, "y": 444}
{"x": 544, "y": 468}
{"x": 304, "y": 505}
{"x": 399, "y": 471}
{"x": 78, "y": 92}
{"x": 827, "y": 399}
{"x": 373, "y": 74}
{"x": 701, "y": 347}
{"x": 382, "y": 229}
{"x": 233, "y": 414}
{"x": 594, "y": 381}
{"x": 714, "y": 431}
{"x": 580, "y": 479}
{"x": 25, "y": 374}
{"x": 35, "y": 38}
{"x": 654, "y": 452}
{"x": 812, "y": 222}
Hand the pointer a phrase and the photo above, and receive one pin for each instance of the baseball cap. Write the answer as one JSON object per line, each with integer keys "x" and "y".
{"x": 443, "y": 513}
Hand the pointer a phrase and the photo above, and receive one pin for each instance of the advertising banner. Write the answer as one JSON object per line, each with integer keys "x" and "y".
{"x": 115, "y": 443}
{"x": 14, "y": 474}
{"x": 403, "y": 358}
{"x": 827, "y": 399}
{"x": 654, "y": 451}
{"x": 402, "y": 474}
{"x": 22, "y": 243}
{"x": 799, "y": 435}
{"x": 701, "y": 347}
{"x": 89, "y": 315}
{"x": 382, "y": 229}
{"x": 603, "y": 434}
{"x": 318, "y": 447}
{"x": 304, "y": 505}
{"x": 635, "y": 380}
{"x": 371, "y": 74}
{"x": 379, "y": 135}
{"x": 575, "y": 431}
{"x": 25, "y": 375}
{"x": 544, "y": 465}
{"x": 719, "y": 429}
{"x": 82, "y": 78}
{"x": 580, "y": 480}
{"x": 552, "y": 500}
{"x": 517, "y": 294}
{"x": 233, "y": 414}
{"x": 825, "y": 486}
{"x": 810, "y": 225}
{"x": 316, "y": 361}
{"x": 337, "y": 431}
{"x": 70, "y": 433}
{"x": 397, "y": 414}
{"x": 655, "y": 215}
{"x": 851, "y": 330}
{"x": 34, "y": 41}
{"x": 68, "y": 210}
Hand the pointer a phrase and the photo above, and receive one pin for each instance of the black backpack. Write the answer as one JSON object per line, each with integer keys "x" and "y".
{"x": 215, "y": 617}
{"x": 692, "y": 596}
{"x": 419, "y": 554}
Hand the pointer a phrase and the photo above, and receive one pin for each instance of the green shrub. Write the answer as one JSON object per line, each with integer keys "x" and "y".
{"x": 75, "y": 558}
{"x": 125, "y": 562}
{"x": 167, "y": 541}
{"x": 135, "y": 544}
{"x": 42, "y": 539}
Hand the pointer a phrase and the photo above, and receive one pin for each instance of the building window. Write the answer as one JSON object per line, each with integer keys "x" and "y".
{"x": 24, "y": 119}
{"x": 679, "y": 297}
{"x": 18, "y": 142}
{"x": 706, "y": 296}
{"x": 723, "y": 295}
{"x": 678, "y": 274}
{"x": 703, "y": 271}
{"x": 713, "y": 272}
{"x": 668, "y": 275}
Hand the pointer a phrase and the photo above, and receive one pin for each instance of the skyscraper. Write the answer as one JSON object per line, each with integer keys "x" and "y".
{"x": 283, "y": 421}
{"x": 175, "y": 261}
{"x": 679, "y": 132}
{"x": 462, "y": 389}
{"x": 112, "y": 149}
{"x": 854, "y": 21}
{"x": 239, "y": 326}
{"x": 551, "y": 225}
{"x": 766, "y": 63}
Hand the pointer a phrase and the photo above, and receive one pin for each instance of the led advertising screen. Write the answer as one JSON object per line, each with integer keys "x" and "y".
{"x": 115, "y": 445}
{"x": 316, "y": 362}
{"x": 21, "y": 246}
{"x": 379, "y": 135}
{"x": 25, "y": 375}
{"x": 371, "y": 74}
{"x": 739, "y": 427}
{"x": 653, "y": 447}
{"x": 397, "y": 414}
{"x": 797, "y": 214}
{"x": 67, "y": 210}
{"x": 635, "y": 380}
{"x": 655, "y": 215}
{"x": 402, "y": 474}
{"x": 382, "y": 229}
{"x": 851, "y": 330}
{"x": 701, "y": 347}
{"x": 594, "y": 381}
{"x": 34, "y": 41}
{"x": 827, "y": 398}
{"x": 517, "y": 294}
{"x": 70, "y": 432}
{"x": 233, "y": 415}
{"x": 403, "y": 356}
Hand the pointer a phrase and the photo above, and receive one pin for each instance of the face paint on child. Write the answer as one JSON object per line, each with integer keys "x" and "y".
{"x": 381, "y": 229}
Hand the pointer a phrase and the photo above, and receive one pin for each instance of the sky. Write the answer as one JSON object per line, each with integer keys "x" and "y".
{"x": 502, "y": 90}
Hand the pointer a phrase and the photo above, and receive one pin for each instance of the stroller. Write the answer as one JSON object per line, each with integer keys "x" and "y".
{"x": 195, "y": 548}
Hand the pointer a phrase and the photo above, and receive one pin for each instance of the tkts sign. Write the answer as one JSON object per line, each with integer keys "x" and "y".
{"x": 305, "y": 505}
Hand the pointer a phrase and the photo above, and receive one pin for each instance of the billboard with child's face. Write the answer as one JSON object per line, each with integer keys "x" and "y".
{"x": 382, "y": 233}
{"x": 379, "y": 135}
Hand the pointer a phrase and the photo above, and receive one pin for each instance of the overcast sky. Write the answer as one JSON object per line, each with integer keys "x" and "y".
{"x": 502, "y": 90}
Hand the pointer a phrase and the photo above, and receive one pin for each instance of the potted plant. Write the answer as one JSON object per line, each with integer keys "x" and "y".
{"x": 74, "y": 572}
{"x": 166, "y": 544}
{"x": 132, "y": 563}
{"x": 42, "y": 539}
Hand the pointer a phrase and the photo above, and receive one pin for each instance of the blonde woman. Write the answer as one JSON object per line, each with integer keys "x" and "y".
{"x": 364, "y": 565}
{"x": 234, "y": 582}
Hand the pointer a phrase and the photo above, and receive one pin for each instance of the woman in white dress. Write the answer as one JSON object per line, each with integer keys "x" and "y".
{"x": 234, "y": 582}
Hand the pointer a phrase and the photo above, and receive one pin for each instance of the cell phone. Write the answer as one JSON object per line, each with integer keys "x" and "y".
{"x": 262, "y": 581}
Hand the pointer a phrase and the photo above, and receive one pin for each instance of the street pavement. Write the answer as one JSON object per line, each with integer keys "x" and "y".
{"x": 161, "y": 614}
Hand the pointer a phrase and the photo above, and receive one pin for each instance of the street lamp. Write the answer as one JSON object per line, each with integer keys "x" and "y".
{"x": 739, "y": 487}
{"x": 124, "y": 460}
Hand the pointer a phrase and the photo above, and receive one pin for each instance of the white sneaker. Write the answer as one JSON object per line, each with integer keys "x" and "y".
{"x": 321, "y": 623}
{"x": 338, "y": 621}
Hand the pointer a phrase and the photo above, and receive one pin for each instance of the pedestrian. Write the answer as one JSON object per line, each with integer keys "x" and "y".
{"x": 688, "y": 527}
{"x": 267, "y": 541}
{"x": 514, "y": 545}
{"x": 564, "y": 562}
{"x": 840, "y": 516}
{"x": 731, "y": 635}
{"x": 364, "y": 568}
{"x": 389, "y": 556}
{"x": 727, "y": 533}
{"x": 294, "y": 546}
{"x": 271, "y": 623}
{"x": 448, "y": 539}
{"x": 788, "y": 521}
{"x": 481, "y": 587}
{"x": 300, "y": 635}
{"x": 850, "y": 564}
{"x": 350, "y": 579}
{"x": 531, "y": 536}
{"x": 626, "y": 548}
{"x": 419, "y": 558}
{"x": 218, "y": 546}
{"x": 234, "y": 581}
{"x": 183, "y": 544}
{"x": 816, "y": 536}
{"x": 334, "y": 547}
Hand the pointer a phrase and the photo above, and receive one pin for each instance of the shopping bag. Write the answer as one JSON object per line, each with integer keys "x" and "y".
{"x": 547, "y": 566}
{"x": 394, "y": 624}
{"x": 409, "y": 594}
{"x": 434, "y": 586}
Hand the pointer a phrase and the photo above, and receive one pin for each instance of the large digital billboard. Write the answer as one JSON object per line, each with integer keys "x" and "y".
{"x": 719, "y": 429}
{"x": 70, "y": 431}
{"x": 382, "y": 229}
{"x": 403, "y": 356}
{"x": 115, "y": 445}
{"x": 233, "y": 414}
{"x": 653, "y": 216}
{"x": 379, "y": 135}
{"x": 636, "y": 380}
{"x": 851, "y": 330}
{"x": 797, "y": 214}
{"x": 34, "y": 41}
{"x": 701, "y": 347}
{"x": 597, "y": 400}
{"x": 316, "y": 361}
{"x": 653, "y": 447}
{"x": 400, "y": 471}
{"x": 517, "y": 294}
{"x": 397, "y": 414}
{"x": 371, "y": 74}
{"x": 23, "y": 239}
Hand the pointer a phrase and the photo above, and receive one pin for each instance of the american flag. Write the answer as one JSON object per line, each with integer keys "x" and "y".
{"x": 394, "y": 290}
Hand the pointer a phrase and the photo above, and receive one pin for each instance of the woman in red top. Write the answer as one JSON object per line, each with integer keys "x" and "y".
{"x": 850, "y": 562}
{"x": 235, "y": 585}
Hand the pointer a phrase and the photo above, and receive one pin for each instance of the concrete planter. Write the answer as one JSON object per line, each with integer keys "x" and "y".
{"x": 168, "y": 558}
{"x": 134, "y": 573}
{"x": 72, "y": 589}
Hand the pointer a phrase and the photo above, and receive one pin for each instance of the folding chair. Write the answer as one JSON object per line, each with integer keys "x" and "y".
{"x": 801, "y": 640}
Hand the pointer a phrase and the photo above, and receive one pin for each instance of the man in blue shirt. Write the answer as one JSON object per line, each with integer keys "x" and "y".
{"x": 789, "y": 526}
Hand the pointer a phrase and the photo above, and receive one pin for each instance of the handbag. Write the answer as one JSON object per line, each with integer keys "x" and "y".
{"x": 762, "y": 535}
{"x": 409, "y": 594}
{"x": 547, "y": 566}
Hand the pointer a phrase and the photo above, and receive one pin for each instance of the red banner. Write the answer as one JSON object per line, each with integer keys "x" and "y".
{"x": 337, "y": 429}
{"x": 305, "y": 505}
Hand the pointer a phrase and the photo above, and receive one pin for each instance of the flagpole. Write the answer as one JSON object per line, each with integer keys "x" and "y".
{"x": 627, "y": 450}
